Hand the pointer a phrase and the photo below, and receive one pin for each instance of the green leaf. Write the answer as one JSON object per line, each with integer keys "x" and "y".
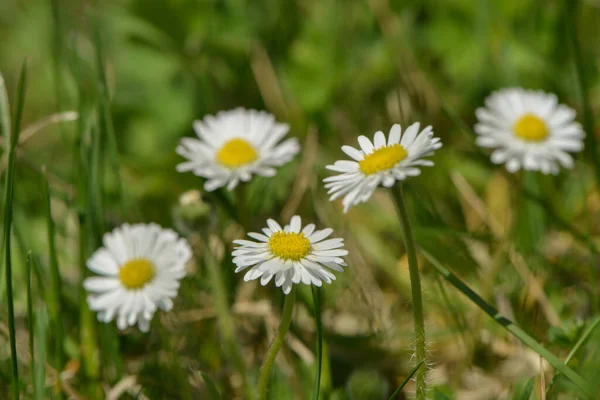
{"x": 211, "y": 388}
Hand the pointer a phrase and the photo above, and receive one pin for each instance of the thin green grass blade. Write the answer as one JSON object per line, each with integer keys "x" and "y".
{"x": 30, "y": 323}
{"x": 105, "y": 116}
{"x": 509, "y": 325}
{"x": 4, "y": 113}
{"x": 211, "y": 388}
{"x": 317, "y": 304}
{"x": 8, "y": 215}
{"x": 408, "y": 378}
{"x": 584, "y": 337}
{"x": 582, "y": 83}
{"x": 108, "y": 339}
{"x": 526, "y": 392}
{"x": 41, "y": 340}
{"x": 54, "y": 294}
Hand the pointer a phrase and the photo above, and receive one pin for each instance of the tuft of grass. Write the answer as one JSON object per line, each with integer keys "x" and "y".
{"x": 8, "y": 215}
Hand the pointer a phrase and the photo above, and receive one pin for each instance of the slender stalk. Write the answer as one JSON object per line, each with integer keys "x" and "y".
{"x": 8, "y": 214}
{"x": 226, "y": 326}
{"x": 509, "y": 325}
{"x": 284, "y": 326}
{"x": 317, "y": 303}
{"x": 30, "y": 323}
{"x": 415, "y": 285}
{"x": 55, "y": 282}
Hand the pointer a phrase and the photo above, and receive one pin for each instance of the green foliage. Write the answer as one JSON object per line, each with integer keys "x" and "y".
{"x": 138, "y": 73}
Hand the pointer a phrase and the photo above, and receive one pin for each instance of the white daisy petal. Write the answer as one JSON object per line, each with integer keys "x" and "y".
{"x": 528, "y": 129}
{"x": 290, "y": 255}
{"x": 234, "y": 145}
{"x": 142, "y": 265}
{"x": 382, "y": 163}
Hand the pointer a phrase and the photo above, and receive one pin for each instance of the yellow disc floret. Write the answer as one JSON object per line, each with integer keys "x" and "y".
{"x": 530, "y": 128}
{"x": 289, "y": 245}
{"x": 382, "y": 159}
{"x": 136, "y": 273}
{"x": 235, "y": 153}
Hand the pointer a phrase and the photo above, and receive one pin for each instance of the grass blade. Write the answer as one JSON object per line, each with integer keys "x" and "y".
{"x": 225, "y": 321}
{"x": 526, "y": 392}
{"x": 211, "y": 388}
{"x": 4, "y": 113}
{"x": 8, "y": 215}
{"x": 408, "y": 378}
{"x": 317, "y": 303}
{"x": 105, "y": 117}
{"x": 582, "y": 83}
{"x": 41, "y": 339}
{"x": 30, "y": 323}
{"x": 509, "y": 325}
{"x": 54, "y": 293}
{"x": 584, "y": 337}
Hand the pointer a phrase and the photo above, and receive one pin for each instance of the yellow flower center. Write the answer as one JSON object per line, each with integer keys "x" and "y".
{"x": 382, "y": 159}
{"x": 136, "y": 273}
{"x": 289, "y": 245}
{"x": 236, "y": 152}
{"x": 530, "y": 128}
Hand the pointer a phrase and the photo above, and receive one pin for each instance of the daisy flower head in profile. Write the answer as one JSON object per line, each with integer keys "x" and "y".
{"x": 235, "y": 145}
{"x": 290, "y": 255}
{"x": 528, "y": 129}
{"x": 380, "y": 162}
{"x": 140, "y": 267}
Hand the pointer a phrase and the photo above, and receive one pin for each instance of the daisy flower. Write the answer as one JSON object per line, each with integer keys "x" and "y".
{"x": 291, "y": 254}
{"x": 380, "y": 162}
{"x": 234, "y": 145}
{"x": 140, "y": 267}
{"x": 528, "y": 129}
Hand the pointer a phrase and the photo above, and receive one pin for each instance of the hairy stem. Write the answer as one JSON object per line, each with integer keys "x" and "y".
{"x": 417, "y": 299}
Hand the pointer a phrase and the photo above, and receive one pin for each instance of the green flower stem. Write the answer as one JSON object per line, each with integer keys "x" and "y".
{"x": 284, "y": 326}
{"x": 225, "y": 321}
{"x": 317, "y": 305}
{"x": 417, "y": 299}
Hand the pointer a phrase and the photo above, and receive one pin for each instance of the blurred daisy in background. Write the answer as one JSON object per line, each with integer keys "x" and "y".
{"x": 380, "y": 162}
{"x": 529, "y": 130}
{"x": 234, "y": 145}
{"x": 140, "y": 267}
{"x": 291, "y": 254}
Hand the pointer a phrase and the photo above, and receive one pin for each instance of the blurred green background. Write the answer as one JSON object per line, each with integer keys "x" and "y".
{"x": 334, "y": 70}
